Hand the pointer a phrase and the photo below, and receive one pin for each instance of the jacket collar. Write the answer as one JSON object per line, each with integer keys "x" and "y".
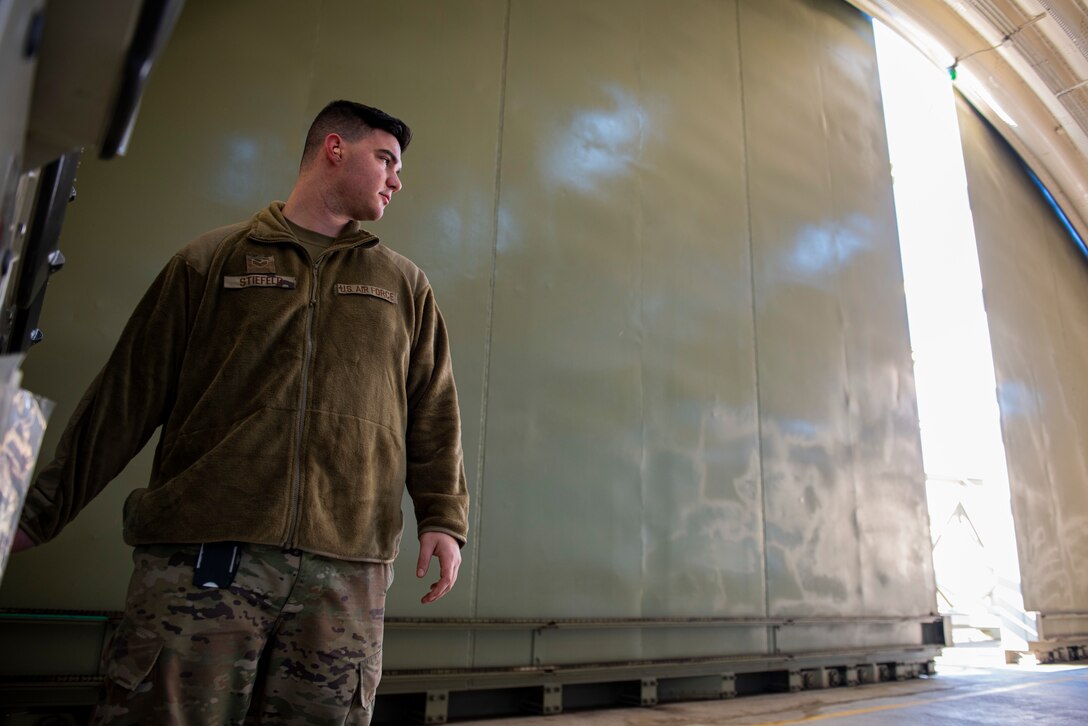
{"x": 269, "y": 225}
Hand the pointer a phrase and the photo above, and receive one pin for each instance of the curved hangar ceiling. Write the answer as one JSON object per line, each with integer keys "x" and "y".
{"x": 1024, "y": 65}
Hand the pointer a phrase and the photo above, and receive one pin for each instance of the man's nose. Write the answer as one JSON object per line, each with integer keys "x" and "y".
{"x": 394, "y": 182}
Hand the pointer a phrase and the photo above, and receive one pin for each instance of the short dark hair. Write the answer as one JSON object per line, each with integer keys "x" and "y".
{"x": 352, "y": 120}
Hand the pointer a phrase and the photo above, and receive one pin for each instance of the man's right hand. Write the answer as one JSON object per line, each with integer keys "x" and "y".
{"x": 22, "y": 541}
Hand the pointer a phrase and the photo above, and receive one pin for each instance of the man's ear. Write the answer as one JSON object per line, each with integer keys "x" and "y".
{"x": 334, "y": 148}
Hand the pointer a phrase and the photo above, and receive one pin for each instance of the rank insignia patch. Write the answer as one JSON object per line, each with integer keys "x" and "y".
{"x": 256, "y": 264}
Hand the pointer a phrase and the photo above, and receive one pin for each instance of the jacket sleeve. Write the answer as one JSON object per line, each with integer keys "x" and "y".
{"x": 131, "y": 396}
{"x": 435, "y": 464}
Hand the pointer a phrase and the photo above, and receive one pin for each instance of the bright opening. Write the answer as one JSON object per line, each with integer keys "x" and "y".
{"x": 974, "y": 544}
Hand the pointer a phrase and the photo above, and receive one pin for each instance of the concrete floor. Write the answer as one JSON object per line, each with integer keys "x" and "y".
{"x": 961, "y": 693}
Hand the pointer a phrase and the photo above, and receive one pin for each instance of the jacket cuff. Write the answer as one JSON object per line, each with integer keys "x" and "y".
{"x": 461, "y": 539}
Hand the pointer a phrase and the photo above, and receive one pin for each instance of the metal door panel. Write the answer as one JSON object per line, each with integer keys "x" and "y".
{"x": 809, "y": 491}
{"x": 640, "y": 320}
{"x": 562, "y": 478}
{"x": 1034, "y": 279}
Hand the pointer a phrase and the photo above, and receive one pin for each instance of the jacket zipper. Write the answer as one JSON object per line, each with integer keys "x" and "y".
{"x": 296, "y": 500}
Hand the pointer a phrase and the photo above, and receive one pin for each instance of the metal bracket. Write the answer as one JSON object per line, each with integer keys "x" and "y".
{"x": 436, "y": 709}
{"x": 552, "y": 699}
{"x": 903, "y": 671}
{"x": 648, "y": 692}
{"x": 729, "y": 686}
{"x": 39, "y": 259}
{"x": 817, "y": 678}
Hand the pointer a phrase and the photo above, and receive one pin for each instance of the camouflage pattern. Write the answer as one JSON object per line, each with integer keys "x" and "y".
{"x": 296, "y": 639}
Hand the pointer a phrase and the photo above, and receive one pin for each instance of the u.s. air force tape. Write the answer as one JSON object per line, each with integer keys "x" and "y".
{"x": 236, "y": 282}
{"x": 387, "y": 295}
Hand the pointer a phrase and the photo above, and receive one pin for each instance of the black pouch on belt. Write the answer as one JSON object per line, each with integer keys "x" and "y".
{"x": 216, "y": 564}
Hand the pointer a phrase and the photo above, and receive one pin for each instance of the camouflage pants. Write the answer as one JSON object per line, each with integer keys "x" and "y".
{"x": 296, "y": 639}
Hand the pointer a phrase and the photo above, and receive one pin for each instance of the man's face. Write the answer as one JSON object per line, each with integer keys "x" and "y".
{"x": 369, "y": 175}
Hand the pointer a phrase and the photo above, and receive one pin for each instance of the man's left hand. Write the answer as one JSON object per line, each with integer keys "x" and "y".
{"x": 448, "y": 552}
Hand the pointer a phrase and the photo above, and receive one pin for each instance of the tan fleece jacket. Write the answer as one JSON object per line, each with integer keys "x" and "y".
{"x": 297, "y": 398}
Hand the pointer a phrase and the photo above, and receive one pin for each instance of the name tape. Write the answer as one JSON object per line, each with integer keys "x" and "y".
{"x": 237, "y": 282}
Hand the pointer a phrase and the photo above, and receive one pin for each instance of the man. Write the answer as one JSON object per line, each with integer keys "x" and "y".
{"x": 301, "y": 374}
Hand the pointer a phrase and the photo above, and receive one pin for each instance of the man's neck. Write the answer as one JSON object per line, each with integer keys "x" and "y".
{"x": 312, "y": 214}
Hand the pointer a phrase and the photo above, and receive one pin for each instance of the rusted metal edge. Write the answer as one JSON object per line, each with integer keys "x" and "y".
{"x": 404, "y": 623}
